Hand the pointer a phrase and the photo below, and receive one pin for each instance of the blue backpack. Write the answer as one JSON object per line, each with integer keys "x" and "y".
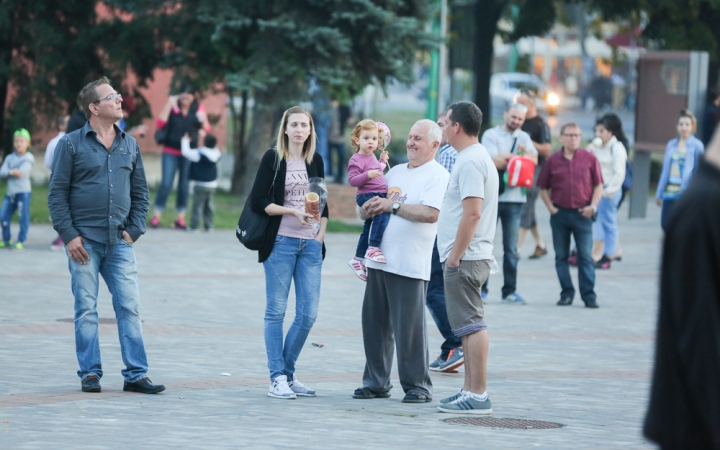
{"x": 627, "y": 182}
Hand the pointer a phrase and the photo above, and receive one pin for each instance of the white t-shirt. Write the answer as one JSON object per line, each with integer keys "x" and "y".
{"x": 50, "y": 149}
{"x": 496, "y": 141}
{"x": 474, "y": 175}
{"x": 408, "y": 245}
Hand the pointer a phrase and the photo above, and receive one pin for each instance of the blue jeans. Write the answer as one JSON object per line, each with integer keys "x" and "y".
{"x": 170, "y": 165}
{"x": 373, "y": 228}
{"x": 116, "y": 264}
{"x": 606, "y": 227}
{"x": 299, "y": 260}
{"x": 340, "y": 150}
{"x": 564, "y": 223}
{"x": 509, "y": 215}
{"x": 435, "y": 301}
{"x": 21, "y": 203}
{"x": 667, "y": 206}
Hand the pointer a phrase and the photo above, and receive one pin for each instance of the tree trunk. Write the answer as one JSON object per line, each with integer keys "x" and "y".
{"x": 240, "y": 149}
{"x": 487, "y": 15}
{"x": 262, "y": 137}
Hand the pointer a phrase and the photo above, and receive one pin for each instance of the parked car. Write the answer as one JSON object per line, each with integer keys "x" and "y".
{"x": 504, "y": 88}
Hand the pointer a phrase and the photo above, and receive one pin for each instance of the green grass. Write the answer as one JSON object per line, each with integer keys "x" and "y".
{"x": 227, "y": 210}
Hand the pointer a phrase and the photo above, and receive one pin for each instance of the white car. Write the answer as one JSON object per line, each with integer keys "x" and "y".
{"x": 504, "y": 88}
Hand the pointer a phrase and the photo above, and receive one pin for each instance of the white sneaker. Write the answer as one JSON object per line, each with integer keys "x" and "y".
{"x": 280, "y": 389}
{"x": 299, "y": 389}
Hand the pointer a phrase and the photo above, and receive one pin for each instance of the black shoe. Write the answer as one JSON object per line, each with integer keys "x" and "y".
{"x": 591, "y": 304}
{"x": 416, "y": 397}
{"x": 143, "y": 386}
{"x": 90, "y": 383}
{"x": 565, "y": 301}
{"x": 364, "y": 393}
{"x": 603, "y": 263}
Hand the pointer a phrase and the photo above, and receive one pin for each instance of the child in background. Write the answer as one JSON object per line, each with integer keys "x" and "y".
{"x": 16, "y": 170}
{"x": 204, "y": 172}
{"x": 365, "y": 172}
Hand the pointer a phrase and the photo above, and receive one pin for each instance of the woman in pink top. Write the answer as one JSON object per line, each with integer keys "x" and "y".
{"x": 182, "y": 115}
{"x": 365, "y": 172}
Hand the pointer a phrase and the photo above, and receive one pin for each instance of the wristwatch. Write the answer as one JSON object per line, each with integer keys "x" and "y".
{"x": 396, "y": 208}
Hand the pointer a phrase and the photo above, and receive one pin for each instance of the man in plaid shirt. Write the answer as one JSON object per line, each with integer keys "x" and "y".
{"x": 451, "y": 352}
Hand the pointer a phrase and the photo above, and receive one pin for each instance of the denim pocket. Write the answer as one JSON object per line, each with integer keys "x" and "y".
{"x": 279, "y": 239}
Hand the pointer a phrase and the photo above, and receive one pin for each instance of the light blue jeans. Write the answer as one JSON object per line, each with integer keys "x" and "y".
{"x": 299, "y": 260}
{"x": 116, "y": 264}
{"x": 605, "y": 227}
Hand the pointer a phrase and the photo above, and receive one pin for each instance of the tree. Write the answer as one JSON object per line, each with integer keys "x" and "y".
{"x": 536, "y": 18}
{"x": 277, "y": 48}
{"x": 670, "y": 24}
{"x": 49, "y": 50}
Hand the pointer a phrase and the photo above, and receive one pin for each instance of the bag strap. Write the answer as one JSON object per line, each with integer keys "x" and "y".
{"x": 277, "y": 166}
{"x": 512, "y": 149}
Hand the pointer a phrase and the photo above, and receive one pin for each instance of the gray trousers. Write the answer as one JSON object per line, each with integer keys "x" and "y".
{"x": 202, "y": 207}
{"x": 393, "y": 318}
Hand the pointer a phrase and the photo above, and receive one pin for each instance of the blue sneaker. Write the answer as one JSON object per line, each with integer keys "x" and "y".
{"x": 467, "y": 404}
{"x": 514, "y": 299}
{"x": 455, "y": 359}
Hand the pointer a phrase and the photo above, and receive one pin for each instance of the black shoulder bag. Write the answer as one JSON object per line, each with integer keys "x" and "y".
{"x": 252, "y": 227}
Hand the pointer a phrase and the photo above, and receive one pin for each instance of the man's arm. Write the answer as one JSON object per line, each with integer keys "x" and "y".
{"x": 472, "y": 210}
{"x": 58, "y": 201}
{"x": 545, "y": 195}
{"x": 139, "y": 199}
{"x": 413, "y": 213}
{"x": 591, "y": 209}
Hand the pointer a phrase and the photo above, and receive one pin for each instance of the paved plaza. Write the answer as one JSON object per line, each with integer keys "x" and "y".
{"x": 202, "y": 307}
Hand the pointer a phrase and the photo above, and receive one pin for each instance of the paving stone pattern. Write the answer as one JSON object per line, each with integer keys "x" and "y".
{"x": 202, "y": 307}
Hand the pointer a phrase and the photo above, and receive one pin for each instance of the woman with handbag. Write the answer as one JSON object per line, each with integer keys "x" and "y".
{"x": 681, "y": 159}
{"x": 293, "y": 248}
{"x": 609, "y": 149}
{"x": 181, "y": 115}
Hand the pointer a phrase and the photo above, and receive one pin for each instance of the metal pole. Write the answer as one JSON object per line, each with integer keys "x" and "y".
{"x": 443, "y": 72}
{"x": 432, "y": 92}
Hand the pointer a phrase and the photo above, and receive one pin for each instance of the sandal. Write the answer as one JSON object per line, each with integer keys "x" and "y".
{"x": 364, "y": 393}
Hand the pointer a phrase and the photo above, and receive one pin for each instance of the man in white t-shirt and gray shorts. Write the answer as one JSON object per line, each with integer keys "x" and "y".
{"x": 466, "y": 228}
{"x": 394, "y": 303}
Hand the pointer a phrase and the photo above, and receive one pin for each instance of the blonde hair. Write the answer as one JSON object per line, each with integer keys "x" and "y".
{"x": 282, "y": 145}
{"x": 689, "y": 115}
{"x": 363, "y": 125}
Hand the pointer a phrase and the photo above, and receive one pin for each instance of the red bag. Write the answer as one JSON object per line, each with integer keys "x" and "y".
{"x": 520, "y": 172}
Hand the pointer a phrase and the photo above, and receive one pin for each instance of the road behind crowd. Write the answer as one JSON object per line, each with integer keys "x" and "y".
{"x": 202, "y": 307}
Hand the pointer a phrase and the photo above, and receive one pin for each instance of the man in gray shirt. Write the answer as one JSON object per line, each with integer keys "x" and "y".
{"x": 466, "y": 228}
{"x": 502, "y": 143}
{"x": 98, "y": 202}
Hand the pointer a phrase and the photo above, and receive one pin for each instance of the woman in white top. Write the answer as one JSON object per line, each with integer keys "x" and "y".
{"x": 610, "y": 151}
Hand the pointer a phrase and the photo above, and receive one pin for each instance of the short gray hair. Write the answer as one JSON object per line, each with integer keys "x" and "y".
{"x": 434, "y": 133}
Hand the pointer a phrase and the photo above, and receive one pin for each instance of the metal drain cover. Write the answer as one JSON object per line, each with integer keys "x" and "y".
{"x": 101, "y": 320}
{"x": 513, "y": 424}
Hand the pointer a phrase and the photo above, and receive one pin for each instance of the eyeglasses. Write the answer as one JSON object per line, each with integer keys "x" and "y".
{"x": 113, "y": 97}
{"x": 572, "y": 135}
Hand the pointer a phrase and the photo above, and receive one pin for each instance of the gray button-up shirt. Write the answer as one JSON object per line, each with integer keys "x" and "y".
{"x": 96, "y": 193}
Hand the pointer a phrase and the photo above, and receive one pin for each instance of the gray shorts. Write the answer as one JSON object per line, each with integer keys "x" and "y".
{"x": 462, "y": 296}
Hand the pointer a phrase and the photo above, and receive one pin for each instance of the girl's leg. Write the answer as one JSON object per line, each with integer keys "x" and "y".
{"x": 183, "y": 188}
{"x": 610, "y": 224}
{"x": 169, "y": 167}
{"x": 279, "y": 268}
{"x": 307, "y": 293}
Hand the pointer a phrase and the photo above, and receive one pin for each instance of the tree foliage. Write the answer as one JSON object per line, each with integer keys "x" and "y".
{"x": 49, "y": 50}
{"x": 277, "y": 48}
